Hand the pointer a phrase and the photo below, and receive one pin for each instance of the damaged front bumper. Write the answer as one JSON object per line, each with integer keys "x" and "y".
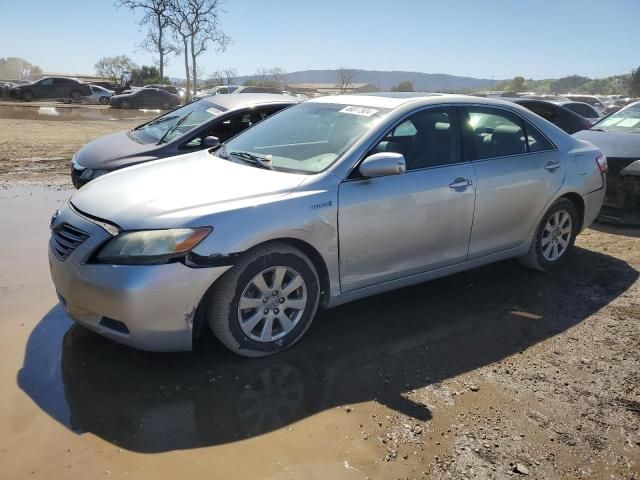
{"x": 150, "y": 307}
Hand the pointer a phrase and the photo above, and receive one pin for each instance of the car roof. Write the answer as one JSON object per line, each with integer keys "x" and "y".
{"x": 393, "y": 100}
{"x": 570, "y": 102}
{"x": 232, "y": 102}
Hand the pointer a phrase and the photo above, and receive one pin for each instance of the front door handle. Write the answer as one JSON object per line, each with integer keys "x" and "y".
{"x": 460, "y": 182}
{"x": 552, "y": 165}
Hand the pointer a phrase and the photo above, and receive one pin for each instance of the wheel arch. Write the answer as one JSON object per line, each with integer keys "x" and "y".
{"x": 305, "y": 247}
{"x": 578, "y": 202}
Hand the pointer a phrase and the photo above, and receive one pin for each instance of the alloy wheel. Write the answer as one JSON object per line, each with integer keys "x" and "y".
{"x": 272, "y": 304}
{"x": 556, "y": 235}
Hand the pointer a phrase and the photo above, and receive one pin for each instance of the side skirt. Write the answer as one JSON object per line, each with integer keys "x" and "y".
{"x": 430, "y": 275}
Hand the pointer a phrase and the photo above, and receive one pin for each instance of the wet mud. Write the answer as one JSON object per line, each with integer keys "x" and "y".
{"x": 37, "y": 141}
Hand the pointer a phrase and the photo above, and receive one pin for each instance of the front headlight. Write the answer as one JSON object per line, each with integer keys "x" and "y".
{"x": 151, "y": 246}
{"x": 90, "y": 174}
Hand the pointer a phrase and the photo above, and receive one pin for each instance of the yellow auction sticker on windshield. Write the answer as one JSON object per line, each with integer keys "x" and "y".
{"x": 362, "y": 111}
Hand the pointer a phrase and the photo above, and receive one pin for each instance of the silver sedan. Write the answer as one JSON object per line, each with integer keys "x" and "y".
{"x": 326, "y": 202}
{"x": 98, "y": 95}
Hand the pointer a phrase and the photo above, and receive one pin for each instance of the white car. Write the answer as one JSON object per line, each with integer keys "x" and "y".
{"x": 99, "y": 95}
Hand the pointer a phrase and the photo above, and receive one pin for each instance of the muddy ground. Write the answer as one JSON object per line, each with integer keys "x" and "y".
{"x": 494, "y": 373}
{"x": 38, "y": 141}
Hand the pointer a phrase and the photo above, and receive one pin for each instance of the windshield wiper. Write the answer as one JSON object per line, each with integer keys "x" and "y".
{"x": 596, "y": 130}
{"x": 171, "y": 130}
{"x": 155, "y": 122}
{"x": 261, "y": 162}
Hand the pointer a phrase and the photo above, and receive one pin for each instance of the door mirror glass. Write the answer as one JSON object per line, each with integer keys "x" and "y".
{"x": 383, "y": 164}
{"x": 210, "y": 142}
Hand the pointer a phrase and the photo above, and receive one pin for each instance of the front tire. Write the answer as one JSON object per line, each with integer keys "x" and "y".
{"x": 124, "y": 104}
{"x": 27, "y": 96}
{"x": 76, "y": 96}
{"x": 103, "y": 100}
{"x": 266, "y": 302}
{"x": 554, "y": 237}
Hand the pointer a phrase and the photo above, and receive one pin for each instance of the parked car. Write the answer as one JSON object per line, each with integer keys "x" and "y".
{"x": 145, "y": 97}
{"x": 323, "y": 203}
{"x": 592, "y": 100}
{"x": 250, "y": 89}
{"x": 228, "y": 89}
{"x": 200, "y": 124}
{"x": 560, "y": 116}
{"x": 167, "y": 88}
{"x": 98, "y": 95}
{"x": 618, "y": 136}
{"x": 52, "y": 87}
{"x": 583, "y": 109}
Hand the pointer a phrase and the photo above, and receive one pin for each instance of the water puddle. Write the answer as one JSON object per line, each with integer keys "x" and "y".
{"x": 73, "y": 113}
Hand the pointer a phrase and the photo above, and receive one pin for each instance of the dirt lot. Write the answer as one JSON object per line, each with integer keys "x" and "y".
{"x": 494, "y": 373}
{"x": 37, "y": 142}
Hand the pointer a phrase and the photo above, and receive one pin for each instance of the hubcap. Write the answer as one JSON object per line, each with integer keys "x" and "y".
{"x": 556, "y": 235}
{"x": 272, "y": 304}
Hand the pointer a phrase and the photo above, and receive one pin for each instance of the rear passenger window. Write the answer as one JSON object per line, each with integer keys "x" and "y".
{"x": 537, "y": 141}
{"x": 494, "y": 133}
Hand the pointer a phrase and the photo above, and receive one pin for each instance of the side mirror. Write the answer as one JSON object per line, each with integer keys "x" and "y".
{"x": 210, "y": 142}
{"x": 383, "y": 164}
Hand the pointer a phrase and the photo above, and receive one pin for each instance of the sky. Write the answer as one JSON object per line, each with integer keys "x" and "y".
{"x": 483, "y": 38}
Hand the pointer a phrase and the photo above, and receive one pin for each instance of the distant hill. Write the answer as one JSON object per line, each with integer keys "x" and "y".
{"x": 384, "y": 80}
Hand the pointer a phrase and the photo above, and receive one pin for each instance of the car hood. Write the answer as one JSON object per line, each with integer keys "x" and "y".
{"x": 613, "y": 145}
{"x": 114, "y": 151}
{"x": 180, "y": 191}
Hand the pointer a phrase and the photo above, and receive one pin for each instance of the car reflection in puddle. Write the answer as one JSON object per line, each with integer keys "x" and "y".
{"x": 374, "y": 349}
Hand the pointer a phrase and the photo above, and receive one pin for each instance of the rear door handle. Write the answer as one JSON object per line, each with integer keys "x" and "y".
{"x": 460, "y": 182}
{"x": 552, "y": 165}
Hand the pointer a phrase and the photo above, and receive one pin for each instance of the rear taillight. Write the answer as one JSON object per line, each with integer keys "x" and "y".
{"x": 601, "y": 160}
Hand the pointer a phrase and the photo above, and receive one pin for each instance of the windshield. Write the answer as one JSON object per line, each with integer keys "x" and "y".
{"x": 306, "y": 138}
{"x": 626, "y": 120}
{"x": 176, "y": 123}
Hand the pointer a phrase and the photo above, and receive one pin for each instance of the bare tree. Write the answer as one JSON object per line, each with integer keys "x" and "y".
{"x": 115, "y": 68}
{"x": 222, "y": 77}
{"x": 156, "y": 17}
{"x": 269, "y": 77}
{"x": 345, "y": 78}
{"x": 216, "y": 78}
{"x": 196, "y": 25}
{"x": 279, "y": 77}
{"x": 230, "y": 75}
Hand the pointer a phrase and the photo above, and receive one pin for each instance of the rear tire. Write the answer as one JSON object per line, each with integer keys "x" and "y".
{"x": 266, "y": 302}
{"x": 554, "y": 237}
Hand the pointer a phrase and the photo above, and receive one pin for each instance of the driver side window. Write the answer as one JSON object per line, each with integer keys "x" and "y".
{"x": 428, "y": 138}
